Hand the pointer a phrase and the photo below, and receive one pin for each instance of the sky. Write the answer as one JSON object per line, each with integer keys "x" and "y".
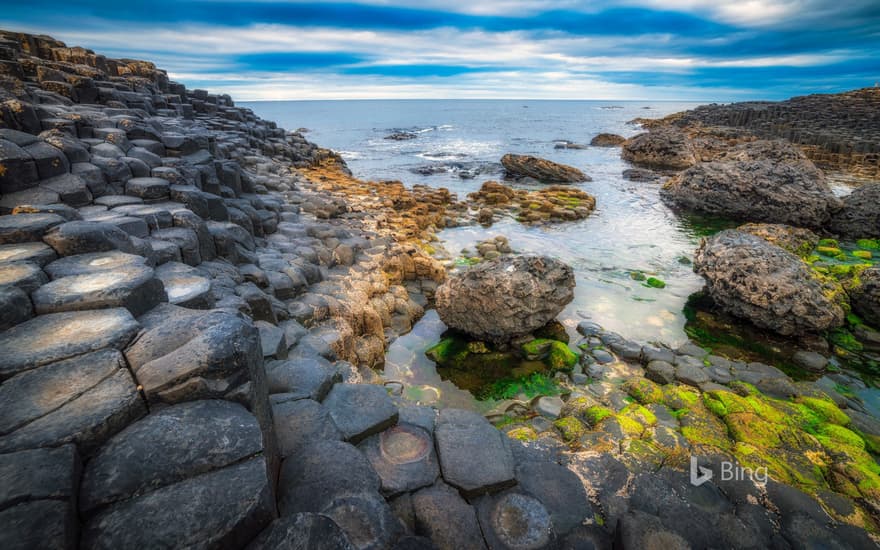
{"x": 701, "y": 50}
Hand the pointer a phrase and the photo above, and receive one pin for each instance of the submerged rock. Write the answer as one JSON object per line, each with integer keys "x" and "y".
{"x": 755, "y": 280}
{"x": 526, "y": 166}
{"x": 401, "y": 136}
{"x": 664, "y": 148}
{"x": 500, "y": 299}
{"x": 762, "y": 181}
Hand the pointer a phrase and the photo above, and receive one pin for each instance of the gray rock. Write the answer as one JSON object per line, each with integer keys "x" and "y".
{"x": 601, "y": 356}
{"x": 515, "y": 520}
{"x": 148, "y": 188}
{"x": 447, "y": 519}
{"x": 474, "y": 456}
{"x": 15, "y": 306}
{"x": 403, "y": 456}
{"x": 95, "y": 262}
{"x": 504, "y": 298}
{"x": 302, "y": 532}
{"x": 134, "y": 287}
{"x": 82, "y": 237}
{"x": 39, "y": 474}
{"x": 542, "y": 170}
{"x": 57, "y": 336}
{"x": 692, "y": 375}
{"x": 360, "y": 410}
{"x": 26, "y": 276}
{"x": 549, "y": 406}
{"x": 660, "y": 372}
{"x": 366, "y": 519}
{"x": 321, "y": 473}
{"x": 866, "y": 297}
{"x": 859, "y": 217}
{"x": 304, "y": 378}
{"x": 222, "y": 509}
{"x": 22, "y": 228}
{"x": 71, "y": 189}
{"x": 18, "y": 169}
{"x": 44, "y": 524}
{"x": 169, "y": 446}
{"x": 300, "y": 422}
{"x": 185, "y": 286}
{"x": 638, "y": 529}
{"x": 665, "y": 148}
{"x": 810, "y": 360}
{"x": 186, "y": 239}
{"x": 35, "y": 252}
{"x": 753, "y": 279}
{"x": 50, "y": 161}
{"x": 274, "y": 342}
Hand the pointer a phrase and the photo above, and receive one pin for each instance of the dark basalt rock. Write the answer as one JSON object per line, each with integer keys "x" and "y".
{"x": 39, "y": 474}
{"x": 15, "y": 306}
{"x": 24, "y": 275}
{"x": 81, "y": 237}
{"x": 447, "y": 519}
{"x": 360, "y": 410}
{"x": 22, "y": 228}
{"x": 498, "y": 300}
{"x": 866, "y": 297}
{"x": 753, "y": 279}
{"x": 135, "y": 288}
{"x": 860, "y": 216}
{"x": 302, "y": 379}
{"x": 49, "y": 524}
{"x": 35, "y": 252}
{"x": 300, "y": 422}
{"x": 515, "y": 520}
{"x": 404, "y": 458}
{"x": 302, "y": 532}
{"x": 545, "y": 171}
{"x": 559, "y": 490}
{"x": 366, "y": 519}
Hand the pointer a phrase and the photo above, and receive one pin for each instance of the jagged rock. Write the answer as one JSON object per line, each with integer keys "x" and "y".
{"x": 134, "y": 287}
{"x": 447, "y": 519}
{"x": 81, "y": 237}
{"x": 57, "y": 336}
{"x": 302, "y": 532}
{"x": 184, "y": 354}
{"x": 225, "y": 508}
{"x": 322, "y": 472}
{"x": 759, "y": 181}
{"x": 504, "y": 298}
{"x": 171, "y": 445}
{"x": 866, "y": 297}
{"x": 301, "y": 422}
{"x": 474, "y": 456}
{"x": 665, "y": 148}
{"x": 23, "y": 228}
{"x": 753, "y": 279}
{"x": 607, "y": 140}
{"x": 401, "y": 136}
{"x": 525, "y": 166}
{"x": 38, "y": 253}
{"x": 24, "y": 275}
{"x": 860, "y": 217}
{"x": 272, "y": 340}
{"x": 185, "y": 286}
{"x": 404, "y": 458}
{"x": 360, "y": 410}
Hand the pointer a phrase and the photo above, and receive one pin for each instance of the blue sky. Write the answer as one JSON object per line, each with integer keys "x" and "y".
{"x": 708, "y": 50}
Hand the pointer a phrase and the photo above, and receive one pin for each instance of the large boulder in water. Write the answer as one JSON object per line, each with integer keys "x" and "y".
{"x": 860, "y": 216}
{"x": 750, "y": 278}
{"x": 665, "y": 148}
{"x": 501, "y": 299}
{"x": 761, "y": 181}
{"x": 866, "y": 297}
{"x": 545, "y": 171}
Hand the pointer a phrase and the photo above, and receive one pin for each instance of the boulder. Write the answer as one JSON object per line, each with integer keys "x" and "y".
{"x": 860, "y": 217}
{"x": 185, "y": 286}
{"x": 665, "y": 147}
{"x": 762, "y": 181}
{"x": 866, "y": 297}
{"x": 774, "y": 289}
{"x": 507, "y": 297}
{"x": 607, "y": 140}
{"x": 545, "y": 171}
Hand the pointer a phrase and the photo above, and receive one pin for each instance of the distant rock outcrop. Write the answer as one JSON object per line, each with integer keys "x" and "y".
{"x": 607, "y": 140}
{"x": 545, "y": 171}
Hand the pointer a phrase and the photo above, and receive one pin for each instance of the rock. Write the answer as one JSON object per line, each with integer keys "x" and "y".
{"x": 607, "y": 140}
{"x": 666, "y": 147}
{"x": 15, "y": 306}
{"x": 360, "y": 410}
{"x": 48, "y": 524}
{"x": 57, "y": 336}
{"x": 810, "y": 360}
{"x": 272, "y": 340}
{"x": 148, "y": 188}
{"x": 759, "y": 181}
{"x": 559, "y": 490}
{"x": 796, "y": 240}
{"x": 94, "y": 262}
{"x": 81, "y": 237}
{"x": 171, "y": 445}
{"x": 225, "y": 508}
{"x": 753, "y": 279}
{"x": 301, "y": 422}
{"x": 401, "y": 136}
{"x": 859, "y": 217}
{"x": 184, "y": 354}
{"x": 71, "y": 189}
{"x": 692, "y": 375}
{"x": 640, "y": 174}
{"x": 638, "y": 529}
{"x": 515, "y": 520}
{"x": 302, "y": 379}
{"x": 17, "y": 168}
{"x": 549, "y": 406}
{"x": 660, "y": 372}
{"x": 367, "y": 520}
{"x": 866, "y": 297}
{"x": 302, "y": 532}
{"x": 38, "y": 253}
{"x": 447, "y": 519}
{"x": 39, "y": 474}
{"x": 474, "y": 456}
{"x": 184, "y": 286}
{"x": 135, "y": 288}
{"x": 26, "y": 276}
{"x": 320, "y": 473}
{"x": 511, "y": 296}
{"x": 403, "y": 456}
{"x": 22, "y": 228}
{"x": 525, "y": 166}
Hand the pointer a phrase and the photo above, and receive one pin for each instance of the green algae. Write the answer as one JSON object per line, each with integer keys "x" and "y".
{"x": 644, "y": 391}
{"x": 654, "y": 282}
{"x": 523, "y": 433}
{"x": 596, "y": 414}
{"x": 570, "y": 428}
{"x": 530, "y": 386}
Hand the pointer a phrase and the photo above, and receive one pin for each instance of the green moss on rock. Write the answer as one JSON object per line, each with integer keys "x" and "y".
{"x": 570, "y": 428}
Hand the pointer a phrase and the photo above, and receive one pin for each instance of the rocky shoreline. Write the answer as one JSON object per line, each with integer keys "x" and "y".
{"x": 192, "y": 304}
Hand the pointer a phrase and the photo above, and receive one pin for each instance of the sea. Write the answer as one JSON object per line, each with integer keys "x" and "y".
{"x": 459, "y": 144}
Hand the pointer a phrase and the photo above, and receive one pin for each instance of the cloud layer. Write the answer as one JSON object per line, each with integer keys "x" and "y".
{"x": 632, "y": 49}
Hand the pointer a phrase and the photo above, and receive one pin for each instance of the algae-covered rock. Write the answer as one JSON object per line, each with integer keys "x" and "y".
{"x": 500, "y": 299}
{"x": 797, "y": 240}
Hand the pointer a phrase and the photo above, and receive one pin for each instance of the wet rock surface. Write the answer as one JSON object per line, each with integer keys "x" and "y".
{"x": 542, "y": 170}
